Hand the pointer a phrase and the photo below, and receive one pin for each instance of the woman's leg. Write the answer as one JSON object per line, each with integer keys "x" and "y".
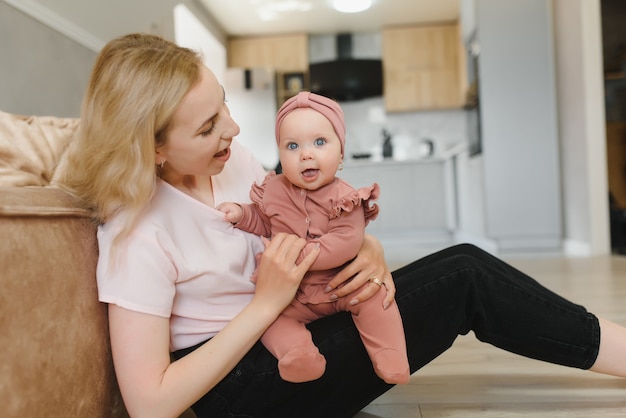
{"x": 439, "y": 297}
{"x": 254, "y": 387}
{"x": 558, "y": 331}
{"x": 464, "y": 288}
{"x": 612, "y": 356}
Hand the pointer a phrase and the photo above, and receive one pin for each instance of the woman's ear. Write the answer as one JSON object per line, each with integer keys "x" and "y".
{"x": 159, "y": 158}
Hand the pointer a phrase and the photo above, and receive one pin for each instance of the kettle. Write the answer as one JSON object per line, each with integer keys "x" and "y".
{"x": 425, "y": 148}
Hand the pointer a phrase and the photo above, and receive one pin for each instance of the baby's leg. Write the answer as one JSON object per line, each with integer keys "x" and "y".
{"x": 383, "y": 336}
{"x": 299, "y": 360}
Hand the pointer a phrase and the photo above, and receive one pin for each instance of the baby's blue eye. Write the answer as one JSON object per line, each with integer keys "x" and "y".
{"x": 320, "y": 141}
{"x": 292, "y": 145}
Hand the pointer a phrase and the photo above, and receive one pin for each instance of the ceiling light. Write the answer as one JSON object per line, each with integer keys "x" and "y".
{"x": 351, "y": 6}
{"x": 271, "y": 10}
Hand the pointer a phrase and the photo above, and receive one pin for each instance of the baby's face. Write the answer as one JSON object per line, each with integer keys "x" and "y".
{"x": 309, "y": 149}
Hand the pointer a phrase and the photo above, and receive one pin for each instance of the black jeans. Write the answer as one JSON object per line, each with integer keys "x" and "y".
{"x": 448, "y": 293}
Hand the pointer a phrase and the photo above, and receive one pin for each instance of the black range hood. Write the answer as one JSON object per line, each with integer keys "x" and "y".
{"x": 347, "y": 78}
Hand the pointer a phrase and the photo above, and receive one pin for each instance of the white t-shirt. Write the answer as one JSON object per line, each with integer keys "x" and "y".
{"x": 183, "y": 261}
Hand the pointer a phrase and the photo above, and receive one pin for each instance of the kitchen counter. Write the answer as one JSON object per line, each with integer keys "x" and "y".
{"x": 446, "y": 154}
{"x": 367, "y": 162}
{"x": 418, "y": 196}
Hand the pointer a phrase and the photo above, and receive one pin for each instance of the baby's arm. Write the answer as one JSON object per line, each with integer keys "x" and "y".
{"x": 340, "y": 243}
{"x": 247, "y": 217}
{"x": 232, "y": 211}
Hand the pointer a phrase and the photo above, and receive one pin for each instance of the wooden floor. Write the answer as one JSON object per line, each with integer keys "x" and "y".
{"x": 474, "y": 379}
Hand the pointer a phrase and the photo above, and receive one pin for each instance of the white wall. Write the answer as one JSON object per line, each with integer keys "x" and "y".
{"x": 254, "y": 109}
{"x": 582, "y": 127}
{"x": 191, "y": 33}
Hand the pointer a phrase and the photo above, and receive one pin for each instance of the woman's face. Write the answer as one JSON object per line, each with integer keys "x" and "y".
{"x": 309, "y": 149}
{"x": 198, "y": 143}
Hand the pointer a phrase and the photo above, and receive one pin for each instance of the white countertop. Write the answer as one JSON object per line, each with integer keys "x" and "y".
{"x": 439, "y": 157}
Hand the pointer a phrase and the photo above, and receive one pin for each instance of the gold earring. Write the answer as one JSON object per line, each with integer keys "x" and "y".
{"x": 162, "y": 163}
{"x": 340, "y": 166}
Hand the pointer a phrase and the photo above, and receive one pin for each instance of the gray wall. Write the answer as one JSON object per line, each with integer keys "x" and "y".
{"x": 519, "y": 123}
{"x": 580, "y": 102}
{"x": 41, "y": 71}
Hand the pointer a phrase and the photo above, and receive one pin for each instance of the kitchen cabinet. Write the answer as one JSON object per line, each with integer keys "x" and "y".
{"x": 417, "y": 197}
{"x": 424, "y": 67}
{"x": 283, "y": 53}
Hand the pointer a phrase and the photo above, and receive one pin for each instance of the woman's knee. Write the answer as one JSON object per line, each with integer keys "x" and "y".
{"x": 465, "y": 256}
{"x": 469, "y": 250}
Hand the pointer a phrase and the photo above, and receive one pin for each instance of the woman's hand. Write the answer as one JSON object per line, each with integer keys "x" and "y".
{"x": 278, "y": 275}
{"x": 368, "y": 265}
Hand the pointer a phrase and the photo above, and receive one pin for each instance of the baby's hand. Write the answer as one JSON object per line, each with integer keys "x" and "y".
{"x": 232, "y": 211}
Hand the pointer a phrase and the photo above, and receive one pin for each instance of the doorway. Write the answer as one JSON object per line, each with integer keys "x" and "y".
{"x": 614, "y": 60}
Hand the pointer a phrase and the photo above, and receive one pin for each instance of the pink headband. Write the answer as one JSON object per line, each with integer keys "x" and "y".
{"x": 327, "y": 107}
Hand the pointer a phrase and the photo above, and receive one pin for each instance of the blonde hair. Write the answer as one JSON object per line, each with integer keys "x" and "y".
{"x": 136, "y": 85}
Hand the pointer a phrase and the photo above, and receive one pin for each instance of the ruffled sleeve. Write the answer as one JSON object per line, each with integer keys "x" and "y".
{"x": 358, "y": 197}
{"x": 254, "y": 218}
{"x": 258, "y": 190}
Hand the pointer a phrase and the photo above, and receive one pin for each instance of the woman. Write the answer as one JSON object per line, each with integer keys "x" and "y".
{"x": 154, "y": 156}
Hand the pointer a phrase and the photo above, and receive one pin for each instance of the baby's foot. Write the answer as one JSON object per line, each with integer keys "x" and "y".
{"x": 302, "y": 365}
{"x": 391, "y": 366}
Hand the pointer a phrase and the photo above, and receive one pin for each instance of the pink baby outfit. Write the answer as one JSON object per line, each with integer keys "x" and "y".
{"x": 334, "y": 217}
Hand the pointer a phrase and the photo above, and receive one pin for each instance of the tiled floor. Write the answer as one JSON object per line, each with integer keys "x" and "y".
{"x": 473, "y": 379}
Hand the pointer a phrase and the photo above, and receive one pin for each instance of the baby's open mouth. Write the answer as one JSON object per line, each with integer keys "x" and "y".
{"x": 309, "y": 172}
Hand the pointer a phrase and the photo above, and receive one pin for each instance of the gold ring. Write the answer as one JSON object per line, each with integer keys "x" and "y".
{"x": 376, "y": 280}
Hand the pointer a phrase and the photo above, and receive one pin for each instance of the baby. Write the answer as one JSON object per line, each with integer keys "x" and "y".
{"x": 308, "y": 200}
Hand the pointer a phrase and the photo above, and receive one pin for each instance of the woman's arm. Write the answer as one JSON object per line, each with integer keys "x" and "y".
{"x": 369, "y": 263}
{"x": 154, "y": 387}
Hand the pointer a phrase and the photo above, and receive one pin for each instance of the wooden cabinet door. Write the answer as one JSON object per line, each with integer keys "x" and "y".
{"x": 423, "y": 68}
{"x": 282, "y": 53}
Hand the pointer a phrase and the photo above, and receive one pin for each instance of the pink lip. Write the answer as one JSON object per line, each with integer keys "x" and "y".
{"x": 223, "y": 155}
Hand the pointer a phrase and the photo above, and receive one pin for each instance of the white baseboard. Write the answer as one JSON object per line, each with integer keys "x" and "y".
{"x": 574, "y": 248}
